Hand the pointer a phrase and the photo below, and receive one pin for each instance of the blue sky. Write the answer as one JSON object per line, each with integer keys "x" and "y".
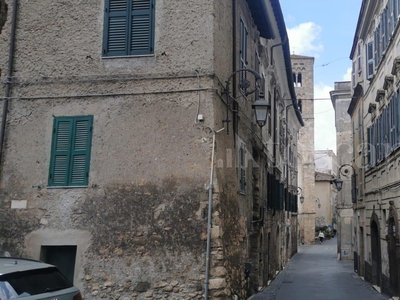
{"x": 324, "y": 30}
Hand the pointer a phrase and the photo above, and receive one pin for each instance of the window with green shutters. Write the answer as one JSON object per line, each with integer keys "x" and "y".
{"x": 128, "y": 27}
{"x": 70, "y": 151}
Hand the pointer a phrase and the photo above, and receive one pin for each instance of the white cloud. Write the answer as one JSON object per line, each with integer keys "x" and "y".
{"x": 303, "y": 39}
{"x": 347, "y": 76}
{"x": 324, "y": 118}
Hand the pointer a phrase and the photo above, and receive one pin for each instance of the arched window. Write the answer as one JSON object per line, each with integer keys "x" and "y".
{"x": 299, "y": 80}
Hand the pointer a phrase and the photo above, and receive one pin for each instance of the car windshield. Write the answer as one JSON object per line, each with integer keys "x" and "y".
{"x": 32, "y": 282}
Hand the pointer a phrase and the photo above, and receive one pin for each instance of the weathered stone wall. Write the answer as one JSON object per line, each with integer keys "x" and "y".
{"x": 305, "y": 66}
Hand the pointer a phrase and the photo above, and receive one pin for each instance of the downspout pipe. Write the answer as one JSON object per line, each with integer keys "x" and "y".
{"x": 209, "y": 217}
{"x": 287, "y": 155}
{"x": 234, "y": 66}
{"x": 277, "y": 45}
{"x": 9, "y": 77}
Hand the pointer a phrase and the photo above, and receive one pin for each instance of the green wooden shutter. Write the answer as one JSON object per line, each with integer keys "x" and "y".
{"x": 281, "y": 196}
{"x": 116, "y": 28}
{"x": 142, "y": 27}
{"x": 60, "y": 152}
{"x": 80, "y": 151}
{"x": 70, "y": 152}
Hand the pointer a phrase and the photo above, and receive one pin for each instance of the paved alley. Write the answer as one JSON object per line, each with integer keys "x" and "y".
{"x": 315, "y": 273}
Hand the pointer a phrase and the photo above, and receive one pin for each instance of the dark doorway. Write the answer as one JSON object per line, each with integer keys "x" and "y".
{"x": 376, "y": 254}
{"x": 61, "y": 256}
{"x": 393, "y": 259}
{"x": 362, "y": 255}
{"x": 268, "y": 263}
{"x": 261, "y": 254}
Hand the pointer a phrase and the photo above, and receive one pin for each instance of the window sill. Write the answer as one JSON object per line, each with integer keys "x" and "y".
{"x": 128, "y": 56}
{"x": 67, "y": 187}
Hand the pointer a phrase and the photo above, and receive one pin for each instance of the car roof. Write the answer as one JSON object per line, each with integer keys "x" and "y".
{"x": 13, "y": 264}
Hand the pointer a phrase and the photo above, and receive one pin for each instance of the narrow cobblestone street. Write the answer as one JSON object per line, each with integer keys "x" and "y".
{"x": 315, "y": 273}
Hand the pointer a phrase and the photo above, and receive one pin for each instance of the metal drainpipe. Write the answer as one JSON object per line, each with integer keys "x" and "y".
{"x": 234, "y": 66}
{"x": 209, "y": 217}
{"x": 287, "y": 154}
{"x": 277, "y": 45}
{"x": 9, "y": 76}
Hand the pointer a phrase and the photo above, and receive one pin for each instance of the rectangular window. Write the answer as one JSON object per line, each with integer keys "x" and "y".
{"x": 269, "y": 114}
{"x": 379, "y": 140}
{"x": 70, "y": 151}
{"x": 374, "y": 144}
{"x": 242, "y": 170}
{"x": 370, "y": 60}
{"x": 353, "y": 74}
{"x": 128, "y": 27}
{"x": 383, "y": 31}
{"x": 396, "y": 9}
{"x": 243, "y": 50}
{"x": 359, "y": 58}
{"x": 390, "y": 17}
{"x": 393, "y": 127}
{"x": 397, "y": 116}
{"x": 386, "y": 29}
{"x": 376, "y": 47}
{"x": 369, "y": 146}
{"x": 387, "y": 131}
{"x": 257, "y": 69}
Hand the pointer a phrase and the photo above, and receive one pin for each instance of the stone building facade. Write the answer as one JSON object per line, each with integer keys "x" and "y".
{"x": 303, "y": 78}
{"x": 341, "y": 97}
{"x": 130, "y": 155}
{"x": 374, "y": 111}
{"x": 325, "y": 192}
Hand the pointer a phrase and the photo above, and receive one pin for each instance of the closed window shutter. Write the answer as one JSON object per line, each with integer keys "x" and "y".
{"x": 370, "y": 60}
{"x": 116, "y": 27}
{"x": 142, "y": 24}
{"x": 60, "y": 152}
{"x": 275, "y": 194}
{"x": 128, "y": 27}
{"x": 397, "y": 115}
{"x": 369, "y": 145}
{"x": 70, "y": 153}
{"x": 281, "y": 196}
{"x": 80, "y": 152}
{"x": 374, "y": 149}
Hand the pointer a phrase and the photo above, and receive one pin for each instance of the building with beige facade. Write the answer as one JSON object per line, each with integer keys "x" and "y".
{"x": 130, "y": 153}
{"x": 374, "y": 111}
{"x": 341, "y": 97}
{"x": 325, "y": 192}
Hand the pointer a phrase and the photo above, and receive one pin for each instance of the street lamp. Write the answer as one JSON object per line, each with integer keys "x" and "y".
{"x": 296, "y": 190}
{"x": 339, "y": 182}
{"x": 319, "y": 202}
{"x": 260, "y": 106}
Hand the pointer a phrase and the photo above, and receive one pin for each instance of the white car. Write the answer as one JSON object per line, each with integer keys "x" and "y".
{"x": 33, "y": 279}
